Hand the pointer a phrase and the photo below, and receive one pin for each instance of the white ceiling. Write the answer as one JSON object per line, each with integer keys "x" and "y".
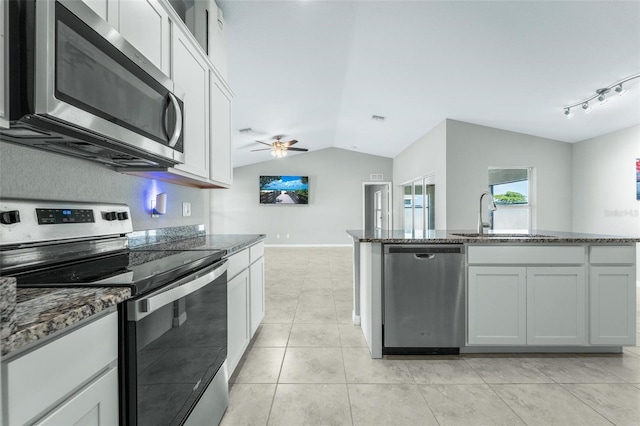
{"x": 316, "y": 71}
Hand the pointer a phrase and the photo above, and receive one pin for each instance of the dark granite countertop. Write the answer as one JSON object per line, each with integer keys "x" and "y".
{"x": 32, "y": 314}
{"x": 231, "y": 243}
{"x": 450, "y": 237}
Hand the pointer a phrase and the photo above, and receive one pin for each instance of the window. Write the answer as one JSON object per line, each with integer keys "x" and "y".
{"x": 510, "y": 188}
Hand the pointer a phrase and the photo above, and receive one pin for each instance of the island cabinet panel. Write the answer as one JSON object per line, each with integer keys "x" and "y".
{"x": 497, "y": 301}
{"x": 556, "y": 306}
{"x": 612, "y": 313}
{"x": 518, "y": 255}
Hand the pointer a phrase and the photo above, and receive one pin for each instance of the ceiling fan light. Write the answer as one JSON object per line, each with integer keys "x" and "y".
{"x": 274, "y": 153}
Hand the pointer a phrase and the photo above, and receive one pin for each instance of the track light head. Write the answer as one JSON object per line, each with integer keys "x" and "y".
{"x": 586, "y": 107}
{"x": 620, "y": 91}
{"x": 568, "y": 113}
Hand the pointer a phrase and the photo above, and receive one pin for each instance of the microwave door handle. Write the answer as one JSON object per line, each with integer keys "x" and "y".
{"x": 178, "y": 130}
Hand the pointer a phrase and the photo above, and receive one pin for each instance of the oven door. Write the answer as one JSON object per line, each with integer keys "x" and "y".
{"x": 174, "y": 344}
{"x": 87, "y": 75}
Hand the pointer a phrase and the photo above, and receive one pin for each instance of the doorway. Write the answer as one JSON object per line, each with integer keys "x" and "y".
{"x": 376, "y": 201}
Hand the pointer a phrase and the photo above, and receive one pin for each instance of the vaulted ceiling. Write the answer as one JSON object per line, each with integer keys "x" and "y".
{"x": 316, "y": 71}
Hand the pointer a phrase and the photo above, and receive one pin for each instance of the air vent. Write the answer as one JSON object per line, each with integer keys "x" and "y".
{"x": 246, "y": 130}
{"x": 377, "y": 118}
{"x": 377, "y": 176}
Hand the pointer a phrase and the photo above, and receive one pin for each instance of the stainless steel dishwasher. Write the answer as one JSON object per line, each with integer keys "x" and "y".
{"x": 423, "y": 299}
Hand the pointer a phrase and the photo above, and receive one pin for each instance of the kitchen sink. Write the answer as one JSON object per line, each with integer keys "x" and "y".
{"x": 523, "y": 235}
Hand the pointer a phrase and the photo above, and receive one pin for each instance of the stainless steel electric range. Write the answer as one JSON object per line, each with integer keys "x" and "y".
{"x": 173, "y": 331}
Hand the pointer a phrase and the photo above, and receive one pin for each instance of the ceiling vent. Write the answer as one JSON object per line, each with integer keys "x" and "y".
{"x": 377, "y": 118}
{"x": 246, "y": 130}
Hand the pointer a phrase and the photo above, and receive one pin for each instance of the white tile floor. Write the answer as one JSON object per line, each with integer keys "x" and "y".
{"x": 308, "y": 365}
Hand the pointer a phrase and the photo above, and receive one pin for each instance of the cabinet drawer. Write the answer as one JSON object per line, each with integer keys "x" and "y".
{"x": 256, "y": 252}
{"x": 42, "y": 377}
{"x": 521, "y": 255}
{"x": 620, "y": 255}
{"x": 238, "y": 262}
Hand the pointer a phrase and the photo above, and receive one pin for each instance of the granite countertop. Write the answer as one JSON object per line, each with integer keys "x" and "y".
{"x": 32, "y": 314}
{"x": 231, "y": 243}
{"x": 450, "y": 237}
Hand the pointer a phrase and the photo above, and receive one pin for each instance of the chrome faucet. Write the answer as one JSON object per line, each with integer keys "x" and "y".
{"x": 492, "y": 207}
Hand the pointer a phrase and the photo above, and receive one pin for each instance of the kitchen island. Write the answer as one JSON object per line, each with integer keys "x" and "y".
{"x": 541, "y": 291}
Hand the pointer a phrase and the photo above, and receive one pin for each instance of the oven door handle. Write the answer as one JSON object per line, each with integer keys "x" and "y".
{"x": 156, "y": 301}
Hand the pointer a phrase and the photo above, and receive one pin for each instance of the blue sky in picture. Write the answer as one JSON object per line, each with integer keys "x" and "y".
{"x": 286, "y": 183}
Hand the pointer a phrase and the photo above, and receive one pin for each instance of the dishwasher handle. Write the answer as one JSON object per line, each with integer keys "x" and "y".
{"x": 422, "y": 256}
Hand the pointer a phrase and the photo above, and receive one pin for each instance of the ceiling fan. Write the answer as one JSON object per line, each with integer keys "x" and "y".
{"x": 278, "y": 148}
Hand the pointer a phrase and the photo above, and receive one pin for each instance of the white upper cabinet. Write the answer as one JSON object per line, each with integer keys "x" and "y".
{"x": 220, "y": 158}
{"x": 4, "y": 67}
{"x": 145, "y": 24}
{"x": 190, "y": 72}
{"x": 217, "y": 40}
{"x": 100, "y": 7}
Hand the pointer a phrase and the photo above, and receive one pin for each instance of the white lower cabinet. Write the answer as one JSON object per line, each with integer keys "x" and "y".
{"x": 556, "y": 306}
{"x": 497, "y": 301}
{"x": 237, "y": 314}
{"x": 95, "y": 405}
{"x": 69, "y": 380}
{"x": 526, "y": 305}
{"x": 245, "y": 297}
{"x": 612, "y": 307}
{"x": 256, "y": 273}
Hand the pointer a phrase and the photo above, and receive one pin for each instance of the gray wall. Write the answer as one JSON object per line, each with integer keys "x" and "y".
{"x": 472, "y": 149}
{"x": 458, "y": 155}
{"x": 427, "y": 156}
{"x": 604, "y": 184}
{"x": 31, "y": 173}
{"x": 335, "y": 198}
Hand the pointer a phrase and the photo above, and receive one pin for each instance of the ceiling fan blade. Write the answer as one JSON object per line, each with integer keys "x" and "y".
{"x": 263, "y": 149}
{"x": 264, "y": 143}
{"x": 290, "y": 142}
{"x": 298, "y": 149}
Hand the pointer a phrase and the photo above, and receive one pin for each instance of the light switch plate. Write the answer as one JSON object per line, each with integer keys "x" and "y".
{"x": 186, "y": 209}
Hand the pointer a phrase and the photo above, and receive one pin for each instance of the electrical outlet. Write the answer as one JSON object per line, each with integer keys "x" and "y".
{"x": 186, "y": 209}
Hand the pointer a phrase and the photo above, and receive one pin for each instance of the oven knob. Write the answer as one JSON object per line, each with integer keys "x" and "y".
{"x": 123, "y": 216}
{"x": 9, "y": 217}
{"x": 109, "y": 216}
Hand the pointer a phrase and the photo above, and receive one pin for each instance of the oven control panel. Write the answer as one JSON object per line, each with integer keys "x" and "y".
{"x": 31, "y": 221}
{"x": 53, "y": 216}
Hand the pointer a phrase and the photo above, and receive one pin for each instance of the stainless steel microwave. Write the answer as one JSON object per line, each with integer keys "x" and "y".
{"x": 77, "y": 87}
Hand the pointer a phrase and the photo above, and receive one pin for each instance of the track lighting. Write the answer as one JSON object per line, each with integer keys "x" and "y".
{"x": 601, "y": 95}
{"x": 620, "y": 91}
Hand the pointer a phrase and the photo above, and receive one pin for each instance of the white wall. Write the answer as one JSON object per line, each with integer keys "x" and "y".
{"x": 604, "y": 184}
{"x": 427, "y": 156}
{"x": 35, "y": 174}
{"x": 335, "y": 198}
{"x": 472, "y": 149}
